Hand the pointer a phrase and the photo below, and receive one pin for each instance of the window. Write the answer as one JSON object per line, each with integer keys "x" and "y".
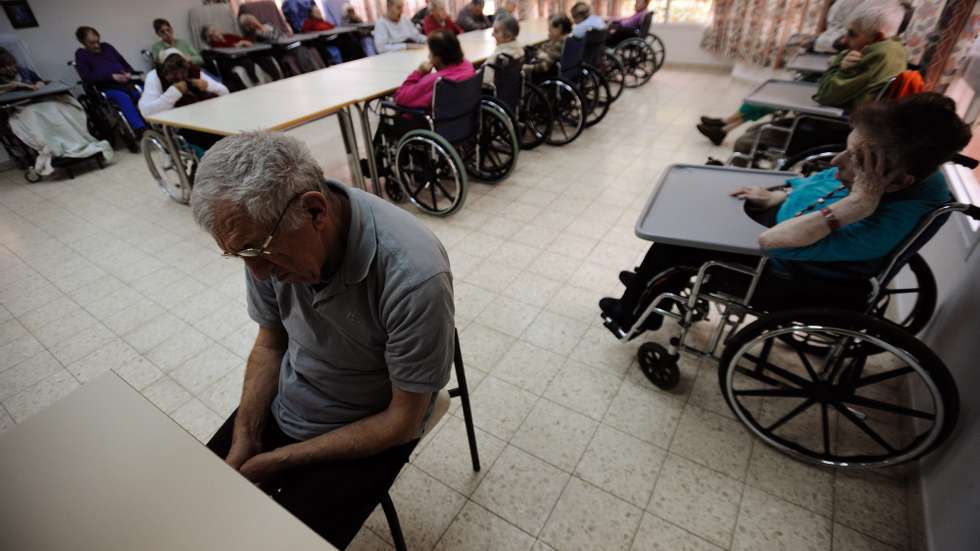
{"x": 681, "y": 11}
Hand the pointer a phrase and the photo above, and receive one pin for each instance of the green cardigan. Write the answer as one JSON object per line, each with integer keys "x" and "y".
{"x": 849, "y": 88}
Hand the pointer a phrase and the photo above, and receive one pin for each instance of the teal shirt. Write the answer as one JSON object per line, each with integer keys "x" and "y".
{"x": 866, "y": 241}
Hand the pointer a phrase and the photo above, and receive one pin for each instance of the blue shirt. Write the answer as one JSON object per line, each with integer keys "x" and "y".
{"x": 296, "y": 12}
{"x": 865, "y": 242}
{"x": 590, "y": 22}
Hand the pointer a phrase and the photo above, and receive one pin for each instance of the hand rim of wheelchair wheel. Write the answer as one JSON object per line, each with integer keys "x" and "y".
{"x": 153, "y": 143}
{"x": 658, "y": 48}
{"x": 538, "y": 127}
{"x": 448, "y": 155}
{"x": 498, "y": 144}
{"x": 613, "y": 71}
{"x": 568, "y": 98}
{"x": 639, "y": 62}
{"x": 837, "y": 393}
{"x": 658, "y": 365}
{"x": 601, "y": 99}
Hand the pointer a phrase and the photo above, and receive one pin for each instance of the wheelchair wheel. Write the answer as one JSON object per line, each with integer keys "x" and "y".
{"x": 839, "y": 409}
{"x": 658, "y": 365}
{"x": 535, "y": 118}
{"x": 658, "y": 48}
{"x": 611, "y": 68}
{"x": 494, "y": 153}
{"x": 812, "y": 160}
{"x": 163, "y": 168}
{"x": 430, "y": 172}
{"x": 639, "y": 61}
{"x": 31, "y": 175}
{"x": 569, "y": 109}
{"x": 595, "y": 90}
{"x": 127, "y": 134}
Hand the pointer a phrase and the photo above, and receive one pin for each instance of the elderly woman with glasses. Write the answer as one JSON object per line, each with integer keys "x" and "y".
{"x": 353, "y": 301}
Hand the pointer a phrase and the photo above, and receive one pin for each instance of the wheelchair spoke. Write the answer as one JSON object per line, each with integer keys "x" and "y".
{"x": 772, "y": 392}
{"x": 890, "y": 408}
{"x": 785, "y": 374}
{"x": 825, "y": 428}
{"x": 864, "y": 427}
{"x": 761, "y": 378}
{"x": 806, "y": 364}
{"x": 872, "y": 379}
{"x": 791, "y": 415}
{"x": 448, "y": 195}
{"x": 900, "y": 291}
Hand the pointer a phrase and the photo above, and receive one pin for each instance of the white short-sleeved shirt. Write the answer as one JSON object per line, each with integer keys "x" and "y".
{"x": 383, "y": 320}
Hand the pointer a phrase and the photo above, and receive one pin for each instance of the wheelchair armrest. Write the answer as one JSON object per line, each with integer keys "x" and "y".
{"x": 968, "y": 162}
{"x": 401, "y": 109}
{"x": 973, "y": 212}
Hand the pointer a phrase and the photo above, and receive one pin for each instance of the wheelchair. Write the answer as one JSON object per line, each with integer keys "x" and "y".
{"x": 105, "y": 120}
{"x": 605, "y": 61}
{"x": 524, "y": 101}
{"x": 641, "y": 55}
{"x": 427, "y": 156}
{"x": 573, "y": 92}
{"x": 175, "y": 178}
{"x": 841, "y": 386}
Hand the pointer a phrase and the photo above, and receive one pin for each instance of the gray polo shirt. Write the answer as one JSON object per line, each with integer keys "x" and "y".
{"x": 383, "y": 320}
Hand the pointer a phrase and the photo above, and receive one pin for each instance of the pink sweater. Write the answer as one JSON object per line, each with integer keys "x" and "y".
{"x": 417, "y": 89}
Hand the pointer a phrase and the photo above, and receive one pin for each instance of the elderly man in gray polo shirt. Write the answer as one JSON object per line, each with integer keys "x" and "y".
{"x": 354, "y": 302}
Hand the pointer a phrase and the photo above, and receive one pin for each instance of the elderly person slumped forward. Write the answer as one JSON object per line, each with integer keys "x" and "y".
{"x": 354, "y": 302}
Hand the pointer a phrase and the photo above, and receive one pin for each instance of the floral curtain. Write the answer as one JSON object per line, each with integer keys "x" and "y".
{"x": 757, "y": 31}
{"x": 957, "y": 29}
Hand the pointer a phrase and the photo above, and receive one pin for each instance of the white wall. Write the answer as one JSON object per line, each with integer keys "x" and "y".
{"x": 683, "y": 44}
{"x": 126, "y": 24}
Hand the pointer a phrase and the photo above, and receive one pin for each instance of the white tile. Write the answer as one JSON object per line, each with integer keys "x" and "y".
{"x": 508, "y": 316}
{"x": 522, "y": 489}
{"x": 197, "y": 419}
{"x": 241, "y": 340}
{"x": 583, "y": 389}
{"x": 202, "y": 370}
{"x": 478, "y": 528}
{"x": 184, "y": 344}
{"x": 656, "y": 534}
{"x": 532, "y": 289}
{"x": 846, "y": 539}
{"x": 223, "y": 396}
{"x": 46, "y": 392}
{"x": 600, "y": 349}
{"x": 446, "y": 457}
{"x": 515, "y": 255}
{"x": 425, "y": 508}
{"x": 6, "y": 421}
{"x": 222, "y": 322}
{"x": 714, "y": 441}
{"x": 470, "y": 300}
{"x": 555, "y": 434}
{"x": 499, "y": 408}
{"x": 871, "y": 504}
{"x": 63, "y": 328}
{"x": 555, "y": 332}
{"x": 482, "y": 347}
{"x": 51, "y": 312}
{"x": 621, "y": 465}
{"x": 801, "y": 484}
{"x": 766, "y": 523}
{"x": 492, "y": 276}
{"x": 27, "y": 373}
{"x": 10, "y": 331}
{"x": 166, "y": 394}
{"x": 589, "y": 519}
{"x": 147, "y": 336}
{"x": 554, "y": 266}
{"x": 528, "y": 367}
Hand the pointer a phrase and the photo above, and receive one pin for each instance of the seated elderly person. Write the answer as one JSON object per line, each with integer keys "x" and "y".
{"x": 350, "y": 17}
{"x": 831, "y": 40}
{"x": 353, "y": 299}
{"x": 873, "y": 56}
{"x": 217, "y": 39}
{"x": 394, "y": 32}
{"x": 256, "y": 31}
{"x": 445, "y": 61}
{"x": 168, "y": 39}
{"x": 343, "y": 47}
{"x": 585, "y": 20}
{"x": 627, "y": 27}
{"x": 549, "y": 52}
{"x": 178, "y": 82}
{"x": 98, "y": 63}
{"x": 54, "y": 126}
{"x": 438, "y": 18}
{"x": 419, "y": 17}
{"x": 297, "y": 12}
{"x": 471, "y": 17}
{"x": 505, "y": 31}
{"x": 507, "y": 7}
{"x": 831, "y": 231}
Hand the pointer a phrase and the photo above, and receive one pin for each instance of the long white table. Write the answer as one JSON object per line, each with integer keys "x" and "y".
{"x": 105, "y": 470}
{"x": 290, "y": 102}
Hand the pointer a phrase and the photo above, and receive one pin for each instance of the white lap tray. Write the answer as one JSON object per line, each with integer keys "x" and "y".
{"x": 691, "y": 207}
{"x": 810, "y": 63}
{"x": 791, "y": 95}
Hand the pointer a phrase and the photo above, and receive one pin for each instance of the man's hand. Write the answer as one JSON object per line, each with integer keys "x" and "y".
{"x": 242, "y": 449}
{"x": 199, "y": 83}
{"x": 263, "y": 466}
{"x": 120, "y": 77}
{"x": 760, "y": 196}
{"x": 852, "y": 58}
{"x": 182, "y": 86}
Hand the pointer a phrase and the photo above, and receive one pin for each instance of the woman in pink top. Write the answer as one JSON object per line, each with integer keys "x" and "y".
{"x": 445, "y": 61}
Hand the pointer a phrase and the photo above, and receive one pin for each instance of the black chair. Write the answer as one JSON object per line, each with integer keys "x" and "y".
{"x": 462, "y": 392}
{"x": 598, "y": 57}
{"x": 568, "y": 104}
{"x": 526, "y": 103}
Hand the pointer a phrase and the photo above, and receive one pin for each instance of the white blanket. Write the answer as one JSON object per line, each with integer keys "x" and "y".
{"x": 56, "y": 128}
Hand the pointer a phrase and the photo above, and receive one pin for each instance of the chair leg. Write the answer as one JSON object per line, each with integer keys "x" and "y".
{"x": 464, "y": 395}
{"x": 396, "y": 528}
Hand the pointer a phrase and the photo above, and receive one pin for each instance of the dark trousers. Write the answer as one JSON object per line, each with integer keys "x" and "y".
{"x": 333, "y": 498}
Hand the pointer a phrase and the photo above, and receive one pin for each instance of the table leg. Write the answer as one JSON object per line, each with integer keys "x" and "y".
{"x": 368, "y": 142}
{"x": 350, "y": 145}
{"x": 184, "y": 194}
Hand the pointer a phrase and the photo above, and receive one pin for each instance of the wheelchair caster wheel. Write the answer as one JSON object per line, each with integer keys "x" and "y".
{"x": 659, "y": 366}
{"x": 32, "y": 176}
{"x": 394, "y": 191}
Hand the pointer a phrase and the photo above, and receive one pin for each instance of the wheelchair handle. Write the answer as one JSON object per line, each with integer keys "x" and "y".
{"x": 968, "y": 162}
{"x": 973, "y": 212}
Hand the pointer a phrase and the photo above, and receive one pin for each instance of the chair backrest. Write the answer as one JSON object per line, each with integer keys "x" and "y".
{"x": 595, "y": 41}
{"x": 508, "y": 80}
{"x": 645, "y": 25}
{"x": 571, "y": 57}
{"x": 456, "y": 107}
{"x": 267, "y": 12}
{"x": 907, "y": 18}
{"x": 18, "y": 48}
{"x": 218, "y": 16}
{"x": 906, "y": 83}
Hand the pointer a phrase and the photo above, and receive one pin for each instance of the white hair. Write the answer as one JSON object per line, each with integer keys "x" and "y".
{"x": 508, "y": 24}
{"x": 255, "y": 172}
{"x": 434, "y": 4}
{"x": 874, "y": 16}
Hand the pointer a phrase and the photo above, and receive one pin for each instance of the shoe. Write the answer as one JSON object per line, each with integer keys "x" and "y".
{"x": 714, "y": 162}
{"x": 365, "y": 169}
{"x": 627, "y": 278}
{"x": 709, "y": 121}
{"x": 713, "y": 133}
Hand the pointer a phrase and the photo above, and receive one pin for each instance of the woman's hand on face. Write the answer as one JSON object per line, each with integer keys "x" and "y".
{"x": 425, "y": 67}
{"x": 759, "y": 196}
{"x": 182, "y": 86}
{"x": 874, "y": 174}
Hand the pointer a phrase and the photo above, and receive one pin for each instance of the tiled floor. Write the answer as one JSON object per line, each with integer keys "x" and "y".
{"x": 579, "y": 451}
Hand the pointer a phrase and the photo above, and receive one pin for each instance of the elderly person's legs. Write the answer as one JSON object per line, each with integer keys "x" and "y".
{"x": 716, "y": 129}
{"x": 333, "y": 498}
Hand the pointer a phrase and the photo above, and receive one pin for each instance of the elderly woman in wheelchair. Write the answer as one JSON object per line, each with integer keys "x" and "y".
{"x": 802, "y": 376}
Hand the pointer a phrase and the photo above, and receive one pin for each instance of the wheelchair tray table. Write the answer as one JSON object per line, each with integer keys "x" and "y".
{"x": 810, "y": 63}
{"x": 791, "y": 95}
{"x": 691, "y": 207}
{"x": 46, "y": 90}
{"x": 238, "y": 52}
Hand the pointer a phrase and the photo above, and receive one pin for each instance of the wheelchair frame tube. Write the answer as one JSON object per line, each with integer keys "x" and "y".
{"x": 171, "y": 142}
{"x": 362, "y": 111}
{"x": 350, "y": 145}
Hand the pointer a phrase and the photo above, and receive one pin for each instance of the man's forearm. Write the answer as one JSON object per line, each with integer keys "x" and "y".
{"x": 806, "y": 230}
{"x": 258, "y": 390}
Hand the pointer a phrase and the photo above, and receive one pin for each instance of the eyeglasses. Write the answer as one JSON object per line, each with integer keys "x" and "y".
{"x": 263, "y": 250}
